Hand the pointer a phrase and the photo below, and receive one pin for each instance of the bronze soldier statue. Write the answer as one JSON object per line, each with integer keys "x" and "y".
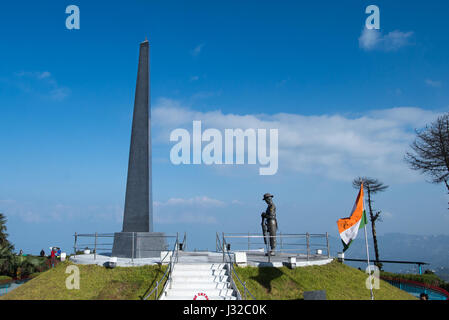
{"x": 269, "y": 223}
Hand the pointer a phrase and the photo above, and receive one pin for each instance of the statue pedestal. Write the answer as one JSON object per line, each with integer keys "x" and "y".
{"x": 139, "y": 244}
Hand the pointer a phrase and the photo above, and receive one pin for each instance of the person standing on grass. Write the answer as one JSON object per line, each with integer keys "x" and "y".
{"x": 53, "y": 257}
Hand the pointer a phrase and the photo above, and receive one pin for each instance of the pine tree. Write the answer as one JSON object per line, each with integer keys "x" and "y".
{"x": 372, "y": 186}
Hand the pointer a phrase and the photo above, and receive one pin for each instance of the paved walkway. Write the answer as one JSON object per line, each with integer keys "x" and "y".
{"x": 255, "y": 259}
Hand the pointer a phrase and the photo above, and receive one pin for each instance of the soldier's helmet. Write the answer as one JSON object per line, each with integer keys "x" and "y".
{"x": 267, "y": 195}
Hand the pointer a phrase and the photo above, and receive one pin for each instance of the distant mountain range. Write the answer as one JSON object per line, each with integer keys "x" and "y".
{"x": 433, "y": 249}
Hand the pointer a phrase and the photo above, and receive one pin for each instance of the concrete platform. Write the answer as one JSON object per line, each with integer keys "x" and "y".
{"x": 255, "y": 259}
{"x": 144, "y": 244}
{"x": 121, "y": 262}
{"x": 258, "y": 259}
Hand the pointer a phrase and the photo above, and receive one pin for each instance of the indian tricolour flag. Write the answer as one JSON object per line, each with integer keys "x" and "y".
{"x": 349, "y": 227}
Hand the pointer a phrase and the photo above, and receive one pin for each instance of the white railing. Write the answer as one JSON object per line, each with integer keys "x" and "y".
{"x": 168, "y": 273}
{"x": 232, "y": 271}
{"x": 288, "y": 243}
{"x": 94, "y": 242}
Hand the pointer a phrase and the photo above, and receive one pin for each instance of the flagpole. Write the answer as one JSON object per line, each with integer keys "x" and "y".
{"x": 369, "y": 268}
{"x": 367, "y": 258}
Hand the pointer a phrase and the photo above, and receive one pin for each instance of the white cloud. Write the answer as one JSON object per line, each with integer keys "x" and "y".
{"x": 41, "y": 83}
{"x": 189, "y": 210}
{"x": 396, "y": 39}
{"x": 281, "y": 83}
{"x": 369, "y": 39}
{"x": 7, "y": 201}
{"x": 334, "y": 146}
{"x": 386, "y": 214}
{"x": 30, "y": 217}
{"x": 206, "y": 94}
{"x": 372, "y": 39}
{"x": 59, "y": 94}
{"x": 202, "y": 201}
{"x": 47, "y": 212}
{"x": 433, "y": 83}
{"x": 197, "y": 50}
{"x": 44, "y": 75}
{"x": 185, "y": 218}
{"x": 36, "y": 74}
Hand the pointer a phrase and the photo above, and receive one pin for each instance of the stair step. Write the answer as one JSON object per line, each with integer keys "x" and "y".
{"x": 191, "y": 298}
{"x": 195, "y": 285}
{"x": 197, "y": 267}
{"x": 209, "y": 278}
{"x": 196, "y": 291}
{"x": 190, "y": 279}
{"x": 187, "y": 273}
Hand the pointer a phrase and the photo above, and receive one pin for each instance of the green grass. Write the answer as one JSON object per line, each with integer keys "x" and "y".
{"x": 96, "y": 283}
{"x": 340, "y": 281}
{"x": 5, "y": 278}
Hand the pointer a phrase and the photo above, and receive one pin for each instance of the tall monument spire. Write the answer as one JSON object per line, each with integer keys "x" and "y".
{"x": 137, "y": 239}
{"x": 138, "y": 203}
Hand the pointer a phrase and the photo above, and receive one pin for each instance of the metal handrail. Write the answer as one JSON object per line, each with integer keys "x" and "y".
{"x": 289, "y": 247}
{"x": 167, "y": 273}
{"x": 218, "y": 245}
{"x": 232, "y": 270}
{"x": 416, "y": 284}
{"x": 245, "y": 234}
{"x": 184, "y": 242}
{"x": 108, "y": 235}
{"x": 104, "y": 246}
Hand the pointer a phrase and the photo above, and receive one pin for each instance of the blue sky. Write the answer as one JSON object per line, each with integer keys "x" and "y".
{"x": 345, "y": 105}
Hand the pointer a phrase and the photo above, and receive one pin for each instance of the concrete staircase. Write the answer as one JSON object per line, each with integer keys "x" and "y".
{"x": 200, "y": 280}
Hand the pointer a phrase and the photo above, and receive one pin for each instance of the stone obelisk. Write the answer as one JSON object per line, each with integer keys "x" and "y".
{"x": 138, "y": 207}
{"x": 137, "y": 239}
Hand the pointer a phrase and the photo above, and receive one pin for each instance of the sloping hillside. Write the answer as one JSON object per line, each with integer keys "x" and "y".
{"x": 95, "y": 283}
{"x": 340, "y": 281}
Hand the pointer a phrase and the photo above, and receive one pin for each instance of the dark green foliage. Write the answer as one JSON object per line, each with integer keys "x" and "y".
{"x": 429, "y": 278}
{"x": 6, "y": 248}
{"x": 13, "y": 265}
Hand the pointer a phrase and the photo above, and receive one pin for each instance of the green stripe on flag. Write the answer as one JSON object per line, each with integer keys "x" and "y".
{"x": 363, "y": 223}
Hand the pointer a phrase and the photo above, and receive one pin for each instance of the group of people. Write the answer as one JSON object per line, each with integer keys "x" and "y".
{"x": 55, "y": 252}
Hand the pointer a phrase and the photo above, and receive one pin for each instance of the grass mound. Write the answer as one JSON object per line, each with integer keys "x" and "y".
{"x": 96, "y": 283}
{"x": 340, "y": 281}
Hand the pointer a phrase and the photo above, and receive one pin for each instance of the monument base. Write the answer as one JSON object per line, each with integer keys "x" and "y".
{"x": 139, "y": 244}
